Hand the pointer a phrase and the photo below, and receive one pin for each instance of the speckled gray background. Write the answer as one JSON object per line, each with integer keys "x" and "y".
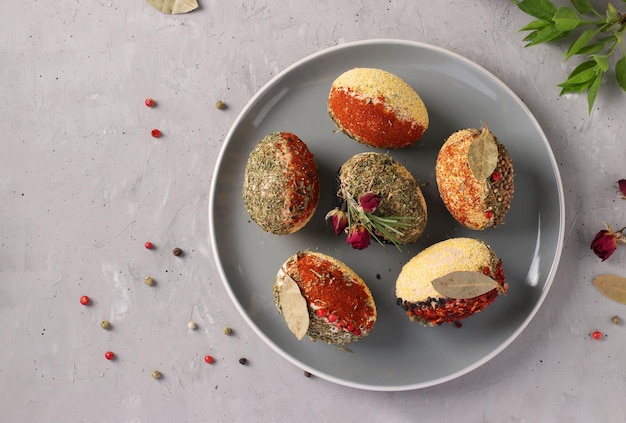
{"x": 83, "y": 185}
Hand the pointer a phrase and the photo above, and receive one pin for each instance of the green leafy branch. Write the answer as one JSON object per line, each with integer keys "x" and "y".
{"x": 598, "y": 36}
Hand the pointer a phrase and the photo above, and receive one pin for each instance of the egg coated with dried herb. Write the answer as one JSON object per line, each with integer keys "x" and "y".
{"x": 281, "y": 184}
{"x": 380, "y": 196}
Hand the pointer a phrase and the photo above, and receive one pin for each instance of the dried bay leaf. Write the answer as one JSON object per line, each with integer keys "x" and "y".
{"x": 293, "y": 305}
{"x": 482, "y": 155}
{"x": 611, "y": 286}
{"x": 464, "y": 284}
{"x": 173, "y": 7}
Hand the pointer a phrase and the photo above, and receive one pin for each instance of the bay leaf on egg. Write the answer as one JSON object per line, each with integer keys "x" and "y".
{"x": 464, "y": 284}
{"x": 293, "y": 305}
{"x": 482, "y": 155}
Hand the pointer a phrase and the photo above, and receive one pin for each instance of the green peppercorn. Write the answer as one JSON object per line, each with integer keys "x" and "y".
{"x": 616, "y": 320}
{"x": 228, "y": 331}
{"x": 105, "y": 325}
{"x": 156, "y": 374}
{"x": 149, "y": 281}
{"x": 220, "y": 105}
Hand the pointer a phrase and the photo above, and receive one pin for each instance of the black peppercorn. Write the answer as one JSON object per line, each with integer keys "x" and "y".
{"x": 243, "y": 361}
{"x": 177, "y": 252}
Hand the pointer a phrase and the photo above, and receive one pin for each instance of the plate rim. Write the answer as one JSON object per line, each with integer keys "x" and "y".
{"x": 414, "y": 44}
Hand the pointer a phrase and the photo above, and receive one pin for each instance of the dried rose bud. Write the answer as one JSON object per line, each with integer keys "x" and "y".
{"x": 605, "y": 242}
{"x": 338, "y": 220}
{"x": 359, "y": 237}
{"x": 622, "y": 187}
{"x": 369, "y": 202}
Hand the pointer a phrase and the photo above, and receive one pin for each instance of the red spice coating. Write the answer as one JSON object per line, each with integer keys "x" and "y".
{"x": 325, "y": 285}
{"x": 372, "y": 123}
{"x": 302, "y": 176}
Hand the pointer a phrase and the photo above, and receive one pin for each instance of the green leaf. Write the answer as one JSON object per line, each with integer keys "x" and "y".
{"x": 547, "y": 34}
{"x": 583, "y": 6}
{"x": 612, "y": 15}
{"x": 530, "y": 37}
{"x": 540, "y": 9}
{"x": 582, "y": 40}
{"x": 620, "y": 71}
{"x": 582, "y": 67}
{"x": 592, "y": 49}
{"x": 574, "y": 88}
{"x": 602, "y": 61}
{"x": 538, "y": 24}
{"x": 581, "y": 76}
{"x": 566, "y": 19}
{"x": 592, "y": 91}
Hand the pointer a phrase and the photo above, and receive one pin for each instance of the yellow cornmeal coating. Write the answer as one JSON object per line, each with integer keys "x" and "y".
{"x": 462, "y": 193}
{"x": 371, "y": 83}
{"x": 452, "y": 255}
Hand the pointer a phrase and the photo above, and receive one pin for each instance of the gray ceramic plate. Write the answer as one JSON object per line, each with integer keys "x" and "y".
{"x": 397, "y": 355}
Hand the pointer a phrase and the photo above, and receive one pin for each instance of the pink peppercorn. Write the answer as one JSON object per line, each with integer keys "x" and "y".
{"x": 148, "y": 245}
{"x": 155, "y": 133}
{"x": 85, "y": 300}
{"x": 208, "y": 359}
{"x": 109, "y": 355}
{"x": 149, "y": 102}
{"x": 321, "y": 312}
{"x": 332, "y": 317}
{"x": 597, "y": 335}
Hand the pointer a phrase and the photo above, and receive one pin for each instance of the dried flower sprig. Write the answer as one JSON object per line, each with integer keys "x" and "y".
{"x": 606, "y": 241}
{"x": 358, "y": 220}
{"x": 602, "y": 35}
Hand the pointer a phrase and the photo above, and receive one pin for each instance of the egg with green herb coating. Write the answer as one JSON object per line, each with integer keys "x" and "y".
{"x": 281, "y": 184}
{"x": 399, "y": 215}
